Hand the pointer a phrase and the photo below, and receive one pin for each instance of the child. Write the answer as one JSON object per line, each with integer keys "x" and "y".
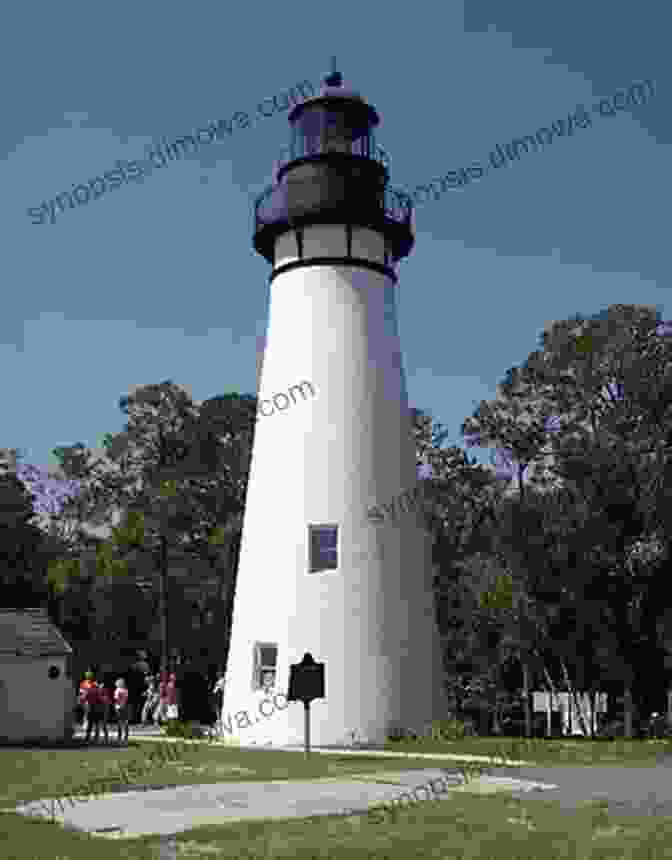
{"x": 121, "y": 708}
{"x": 105, "y": 703}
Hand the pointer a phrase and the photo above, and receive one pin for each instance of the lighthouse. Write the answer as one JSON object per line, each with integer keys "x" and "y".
{"x": 316, "y": 572}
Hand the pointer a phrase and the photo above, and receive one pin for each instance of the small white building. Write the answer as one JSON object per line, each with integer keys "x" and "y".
{"x": 36, "y": 690}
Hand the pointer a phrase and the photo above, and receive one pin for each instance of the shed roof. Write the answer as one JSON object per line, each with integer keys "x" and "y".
{"x": 30, "y": 633}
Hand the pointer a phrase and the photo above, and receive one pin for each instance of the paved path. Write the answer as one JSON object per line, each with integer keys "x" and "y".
{"x": 628, "y": 790}
{"x": 173, "y": 810}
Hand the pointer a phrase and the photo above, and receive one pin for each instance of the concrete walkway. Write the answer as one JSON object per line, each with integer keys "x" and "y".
{"x": 627, "y": 790}
{"x": 174, "y": 810}
{"x": 170, "y": 810}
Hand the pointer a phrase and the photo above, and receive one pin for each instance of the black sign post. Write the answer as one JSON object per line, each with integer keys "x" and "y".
{"x": 306, "y": 682}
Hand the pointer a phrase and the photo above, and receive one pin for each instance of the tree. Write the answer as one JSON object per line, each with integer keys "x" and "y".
{"x": 582, "y": 403}
{"x": 457, "y": 499}
{"x": 25, "y": 550}
{"x": 177, "y": 475}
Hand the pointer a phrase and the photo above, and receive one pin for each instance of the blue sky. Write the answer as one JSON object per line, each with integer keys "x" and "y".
{"x": 159, "y": 280}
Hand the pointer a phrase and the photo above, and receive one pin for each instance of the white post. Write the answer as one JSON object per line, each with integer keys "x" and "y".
{"x": 548, "y": 714}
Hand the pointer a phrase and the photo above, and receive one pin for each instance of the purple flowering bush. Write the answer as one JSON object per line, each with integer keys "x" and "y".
{"x": 49, "y": 494}
{"x": 506, "y": 466}
{"x": 552, "y": 424}
{"x": 425, "y": 471}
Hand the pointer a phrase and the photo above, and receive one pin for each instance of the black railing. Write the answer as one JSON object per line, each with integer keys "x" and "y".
{"x": 396, "y": 205}
{"x": 306, "y": 148}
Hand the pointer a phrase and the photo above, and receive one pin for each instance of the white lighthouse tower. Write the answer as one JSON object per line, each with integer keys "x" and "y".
{"x": 316, "y": 574}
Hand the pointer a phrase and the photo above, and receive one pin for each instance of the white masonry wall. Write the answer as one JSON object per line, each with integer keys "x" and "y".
{"x": 34, "y": 706}
{"x": 325, "y": 460}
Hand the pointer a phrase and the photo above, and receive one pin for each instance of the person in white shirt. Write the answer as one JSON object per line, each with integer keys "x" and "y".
{"x": 218, "y": 691}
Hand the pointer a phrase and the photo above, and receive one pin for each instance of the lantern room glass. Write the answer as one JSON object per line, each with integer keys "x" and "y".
{"x": 322, "y": 129}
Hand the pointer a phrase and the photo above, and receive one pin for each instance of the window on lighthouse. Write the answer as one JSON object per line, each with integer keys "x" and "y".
{"x": 323, "y": 544}
{"x": 265, "y": 659}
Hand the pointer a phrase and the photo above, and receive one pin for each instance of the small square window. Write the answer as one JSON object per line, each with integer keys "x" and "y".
{"x": 264, "y": 659}
{"x": 323, "y": 543}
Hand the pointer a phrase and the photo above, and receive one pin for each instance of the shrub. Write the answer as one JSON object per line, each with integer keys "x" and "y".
{"x": 398, "y": 735}
{"x": 440, "y": 730}
{"x": 181, "y": 729}
{"x": 448, "y": 730}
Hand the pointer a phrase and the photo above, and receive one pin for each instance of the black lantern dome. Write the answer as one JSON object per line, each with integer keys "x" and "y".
{"x": 334, "y": 175}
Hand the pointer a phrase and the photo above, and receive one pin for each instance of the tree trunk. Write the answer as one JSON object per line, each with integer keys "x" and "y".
{"x": 163, "y": 602}
{"x": 627, "y": 710}
{"x": 526, "y": 701}
{"x": 496, "y": 714}
{"x": 553, "y": 693}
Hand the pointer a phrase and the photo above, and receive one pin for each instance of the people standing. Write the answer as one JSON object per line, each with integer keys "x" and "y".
{"x": 218, "y": 693}
{"x": 94, "y": 708}
{"x": 121, "y": 708}
{"x": 193, "y": 693}
{"x": 172, "y": 699}
{"x": 151, "y": 696}
{"x": 87, "y": 683}
{"x": 161, "y": 713}
{"x": 141, "y": 665}
{"x": 136, "y": 674}
{"x": 105, "y": 703}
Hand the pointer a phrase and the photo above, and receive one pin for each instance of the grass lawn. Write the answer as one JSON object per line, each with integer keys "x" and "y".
{"x": 552, "y": 752}
{"x": 465, "y": 826}
{"x": 31, "y": 774}
{"x": 488, "y": 827}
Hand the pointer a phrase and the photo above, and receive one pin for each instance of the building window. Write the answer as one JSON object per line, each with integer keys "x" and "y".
{"x": 323, "y": 543}
{"x": 265, "y": 659}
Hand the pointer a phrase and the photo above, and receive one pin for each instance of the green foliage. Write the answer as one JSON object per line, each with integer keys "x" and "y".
{"x": 182, "y": 729}
{"x": 106, "y": 564}
{"x": 448, "y": 730}
{"x": 217, "y": 536}
{"x": 440, "y": 730}
{"x": 502, "y": 595}
{"x": 401, "y": 735}
{"x": 178, "y": 473}
{"x": 580, "y": 535}
{"x": 132, "y": 533}
{"x": 60, "y": 571}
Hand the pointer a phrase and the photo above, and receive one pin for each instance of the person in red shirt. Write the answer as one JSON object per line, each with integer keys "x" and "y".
{"x": 94, "y": 706}
{"x": 160, "y": 715}
{"x": 121, "y": 707}
{"x": 84, "y": 687}
{"x": 105, "y": 703}
{"x": 171, "y": 697}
